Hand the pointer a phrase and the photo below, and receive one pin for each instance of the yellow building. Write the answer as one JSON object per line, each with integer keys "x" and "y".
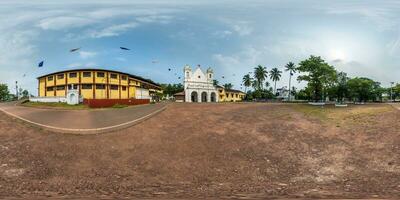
{"x": 230, "y": 95}
{"x": 97, "y": 84}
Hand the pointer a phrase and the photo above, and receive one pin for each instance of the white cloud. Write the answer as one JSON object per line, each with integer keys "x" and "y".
{"x": 87, "y": 54}
{"x": 64, "y": 22}
{"x": 81, "y": 65}
{"x": 223, "y": 34}
{"x": 242, "y": 29}
{"x": 113, "y": 30}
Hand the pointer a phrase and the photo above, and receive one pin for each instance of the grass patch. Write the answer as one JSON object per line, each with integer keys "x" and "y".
{"x": 119, "y": 106}
{"x": 334, "y": 114}
{"x": 54, "y": 105}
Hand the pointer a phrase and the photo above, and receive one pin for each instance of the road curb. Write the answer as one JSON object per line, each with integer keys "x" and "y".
{"x": 89, "y": 131}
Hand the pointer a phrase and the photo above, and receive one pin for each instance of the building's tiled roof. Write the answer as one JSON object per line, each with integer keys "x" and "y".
{"x": 233, "y": 91}
{"x": 230, "y": 90}
{"x": 104, "y": 70}
{"x": 180, "y": 94}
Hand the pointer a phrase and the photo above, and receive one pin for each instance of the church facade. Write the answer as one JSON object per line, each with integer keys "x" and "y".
{"x": 199, "y": 86}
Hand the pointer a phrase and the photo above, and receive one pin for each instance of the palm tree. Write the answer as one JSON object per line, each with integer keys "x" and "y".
{"x": 275, "y": 76}
{"x": 291, "y": 68}
{"x": 260, "y": 74}
{"x": 246, "y": 82}
{"x": 267, "y": 84}
{"x": 255, "y": 84}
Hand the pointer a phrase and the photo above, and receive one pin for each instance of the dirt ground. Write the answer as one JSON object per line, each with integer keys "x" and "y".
{"x": 212, "y": 150}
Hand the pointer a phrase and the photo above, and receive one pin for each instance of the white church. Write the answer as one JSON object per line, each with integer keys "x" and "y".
{"x": 199, "y": 86}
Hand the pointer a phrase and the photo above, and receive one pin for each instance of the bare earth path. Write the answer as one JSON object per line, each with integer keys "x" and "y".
{"x": 212, "y": 150}
{"x": 81, "y": 121}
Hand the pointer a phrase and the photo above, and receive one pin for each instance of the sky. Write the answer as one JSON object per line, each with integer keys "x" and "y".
{"x": 361, "y": 38}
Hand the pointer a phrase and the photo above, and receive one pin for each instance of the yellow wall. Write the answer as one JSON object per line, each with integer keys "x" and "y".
{"x": 42, "y": 88}
{"x": 86, "y": 79}
{"x": 60, "y": 81}
{"x": 87, "y": 93}
{"x": 114, "y": 81}
{"x": 129, "y": 82}
{"x": 132, "y": 92}
{"x": 227, "y": 96}
{"x": 101, "y": 93}
{"x": 73, "y": 80}
{"x": 114, "y": 94}
{"x": 49, "y": 83}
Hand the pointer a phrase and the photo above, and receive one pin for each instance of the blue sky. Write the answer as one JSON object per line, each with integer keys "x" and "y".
{"x": 361, "y": 38}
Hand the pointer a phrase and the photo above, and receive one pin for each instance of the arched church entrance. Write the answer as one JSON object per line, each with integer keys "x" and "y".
{"x": 204, "y": 97}
{"x": 213, "y": 97}
{"x": 194, "y": 96}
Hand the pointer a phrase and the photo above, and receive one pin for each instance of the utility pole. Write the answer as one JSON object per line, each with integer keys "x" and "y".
{"x": 16, "y": 89}
{"x": 391, "y": 91}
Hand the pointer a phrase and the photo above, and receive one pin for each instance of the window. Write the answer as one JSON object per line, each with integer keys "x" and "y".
{"x": 123, "y": 88}
{"x": 72, "y": 75}
{"x": 209, "y": 75}
{"x": 87, "y": 74}
{"x": 50, "y": 78}
{"x": 236, "y": 95}
{"x": 86, "y": 86}
{"x": 100, "y": 86}
{"x": 114, "y": 87}
{"x": 100, "y": 74}
{"x": 49, "y": 89}
{"x": 114, "y": 76}
{"x": 70, "y": 87}
{"x": 123, "y": 77}
{"x": 62, "y": 87}
{"x": 198, "y": 76}
{"x": 60, "y": 76}
{"x": 220, "y": 91}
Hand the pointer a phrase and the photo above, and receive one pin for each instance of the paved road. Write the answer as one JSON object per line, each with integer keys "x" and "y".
{"x": 82, "y": 121}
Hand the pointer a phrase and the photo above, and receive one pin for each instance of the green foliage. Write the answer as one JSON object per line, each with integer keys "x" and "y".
{"x": 215, "y": 82}
{"x": 260, "y": 74}
{"x": 247, "y": 80}
{"x": 319, "y": 75}
{"x": 364, "y": 89}
{"x": 171, "y": 89}
{"x": 4, "y": 92}
{"x": 228, "y": 86}
{"x": 119, "y": 106}
{"x": 291, "y": 68}
{"x": 275, "y": 76}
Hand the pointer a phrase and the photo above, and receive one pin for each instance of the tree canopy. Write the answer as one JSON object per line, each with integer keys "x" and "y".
{"x": 319, "y": 75}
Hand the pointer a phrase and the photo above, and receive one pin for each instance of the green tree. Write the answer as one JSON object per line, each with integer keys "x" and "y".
{"x": 291, "y": 68}
{"x": 275, "y": 76}
{"x": 215, "y": 82}
{"x": 228, "y": 86}
{"x": 396, "y": 91}
{"x": 260, "y": 74}
{"x": 246, "y": 82}
{"x": 362, "y": 89}
{"x": 340, "y": 89}
{"x": 25, "y": 94}
{"x": 171, "y": 89}
{"x": 4, "y": 92}
{"x": 319, "y": 75}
